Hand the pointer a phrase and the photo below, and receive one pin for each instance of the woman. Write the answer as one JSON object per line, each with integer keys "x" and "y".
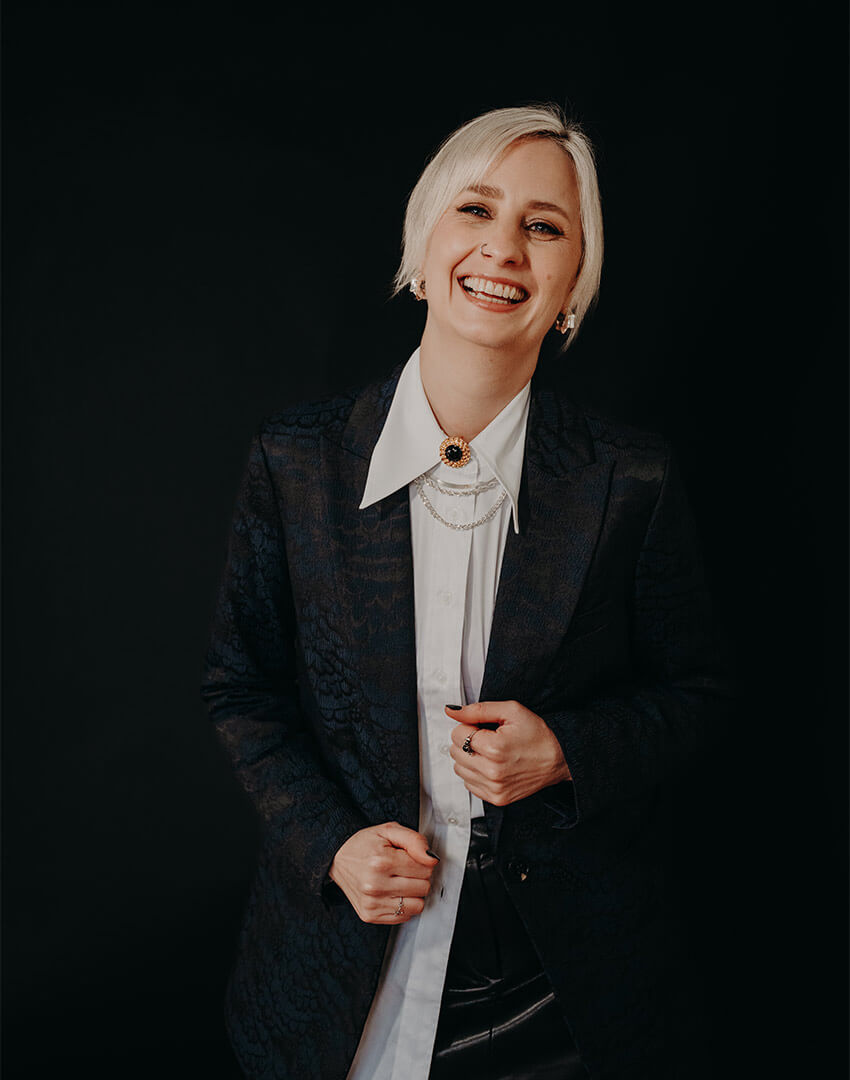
{"x": 461, "y": 641}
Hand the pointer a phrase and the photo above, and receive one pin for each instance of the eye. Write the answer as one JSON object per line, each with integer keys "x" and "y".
{"x": 544, "y": 228}
{"x": 474, "y": 210}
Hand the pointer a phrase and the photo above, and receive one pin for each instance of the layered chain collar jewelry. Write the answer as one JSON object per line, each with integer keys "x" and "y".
{"x": 459, "y": 490}
{"x": 455, "y": 452}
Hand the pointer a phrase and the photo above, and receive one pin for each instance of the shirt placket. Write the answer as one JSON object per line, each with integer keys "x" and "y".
{"x": 452, "y": 551}
{"x": 449, "y": 818}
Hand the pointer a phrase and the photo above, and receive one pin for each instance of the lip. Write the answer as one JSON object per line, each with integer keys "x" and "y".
{"x": 496, "y": 304}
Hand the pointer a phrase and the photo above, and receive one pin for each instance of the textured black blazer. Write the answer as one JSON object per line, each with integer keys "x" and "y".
{"x": 601, "y": 626}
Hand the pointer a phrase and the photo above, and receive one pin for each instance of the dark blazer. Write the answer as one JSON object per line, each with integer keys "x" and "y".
{"x": 601, "y": 626}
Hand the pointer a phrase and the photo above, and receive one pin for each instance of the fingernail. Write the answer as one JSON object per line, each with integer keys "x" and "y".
{"x": 454, "y": 706}
{"x": 431, "y": 853}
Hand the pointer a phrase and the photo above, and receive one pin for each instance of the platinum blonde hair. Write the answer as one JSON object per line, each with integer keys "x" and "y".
{"x": 466, "y": 157}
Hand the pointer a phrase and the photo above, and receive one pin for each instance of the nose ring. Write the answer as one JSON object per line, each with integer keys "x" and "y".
{"x": 483, "y": 252}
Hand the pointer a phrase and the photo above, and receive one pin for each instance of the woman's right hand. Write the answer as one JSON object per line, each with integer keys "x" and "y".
{"x": 379, "y": 866}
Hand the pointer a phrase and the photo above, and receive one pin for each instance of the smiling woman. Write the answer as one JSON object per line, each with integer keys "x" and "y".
{"x": 471, "y": 889}
{"x": 461, "y": 167}
{"x": 509, "y": 247}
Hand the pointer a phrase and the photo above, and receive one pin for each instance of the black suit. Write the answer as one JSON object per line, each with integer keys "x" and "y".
{"x": 601, "y": 627}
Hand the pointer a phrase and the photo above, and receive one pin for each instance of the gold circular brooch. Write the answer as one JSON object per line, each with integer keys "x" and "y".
{"x": 454, "y": 451}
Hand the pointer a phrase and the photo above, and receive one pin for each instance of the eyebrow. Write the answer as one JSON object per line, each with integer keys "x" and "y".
{"x": 487, "y": 191}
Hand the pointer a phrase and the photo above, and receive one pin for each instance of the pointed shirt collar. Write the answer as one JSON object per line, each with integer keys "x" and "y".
{"x": 409, "y": 443}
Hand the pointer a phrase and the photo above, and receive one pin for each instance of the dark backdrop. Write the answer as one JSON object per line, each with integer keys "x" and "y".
{"x": 202, "y": 213}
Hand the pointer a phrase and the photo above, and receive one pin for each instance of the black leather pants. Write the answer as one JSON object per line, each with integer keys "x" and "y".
{"x": 499, "y": 1019}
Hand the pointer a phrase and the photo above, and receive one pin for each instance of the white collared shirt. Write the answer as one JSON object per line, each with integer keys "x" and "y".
{"x": 455, "y": 576}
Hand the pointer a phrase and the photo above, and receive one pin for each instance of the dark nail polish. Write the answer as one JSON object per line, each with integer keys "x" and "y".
{"x": 433, "y": 856}
{"x": 454, "y": 706}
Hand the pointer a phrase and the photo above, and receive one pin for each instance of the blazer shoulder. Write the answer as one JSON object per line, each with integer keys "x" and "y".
{"x": 633, "y": 451}
{"x": 615, "y": 441}
{"x": 327, "y": 417}
{"x": 308, "y": 419}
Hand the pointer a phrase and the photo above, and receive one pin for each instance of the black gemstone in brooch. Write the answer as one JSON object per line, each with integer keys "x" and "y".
{"x": 454, "y": 451}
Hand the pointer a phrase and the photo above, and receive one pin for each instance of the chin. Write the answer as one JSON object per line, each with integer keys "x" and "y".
{"x": 502, "y": 339}
{"x": 483, "y": 330}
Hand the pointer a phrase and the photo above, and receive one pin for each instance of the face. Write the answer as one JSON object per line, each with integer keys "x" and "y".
{"x": 502, "y": 261}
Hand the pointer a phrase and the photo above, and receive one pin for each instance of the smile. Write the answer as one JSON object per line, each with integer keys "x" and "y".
{"x": 493, "y": 292}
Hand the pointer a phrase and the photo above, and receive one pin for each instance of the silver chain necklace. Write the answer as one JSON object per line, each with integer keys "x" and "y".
{"x": 460, "y": 489}
{"x": 420, "y": 482}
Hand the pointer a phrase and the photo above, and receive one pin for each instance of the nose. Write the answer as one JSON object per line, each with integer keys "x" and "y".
{"x": 504, "y": 246}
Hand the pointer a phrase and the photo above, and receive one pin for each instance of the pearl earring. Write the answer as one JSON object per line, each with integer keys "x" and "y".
{"x": 417, "y": 287}
{"x": 565, "y": 322}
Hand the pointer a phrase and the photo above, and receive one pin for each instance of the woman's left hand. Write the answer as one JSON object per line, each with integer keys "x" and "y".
{"x": 515, "y": 760}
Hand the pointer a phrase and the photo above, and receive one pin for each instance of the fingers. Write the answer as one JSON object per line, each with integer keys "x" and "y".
{"x": 516, "y": 759}
{"x": 397, "y": 886}
{"x": 374, "y": 869}
{"x": 481, "y": 741}
{"x": 378, "y": 898}
{"x": 414, "y": 843}
{"x": 494, "y": 787}
{"x": 482, "y": 774}
{"x": 382, "y": 889}
{"x": 482, "y": 712}
{"x": 391, "y": 862}
{"x": 410, "y": 909}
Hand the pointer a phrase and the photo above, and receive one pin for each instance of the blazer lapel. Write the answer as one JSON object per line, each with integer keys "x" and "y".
{"x": 378, "y": 587}
{"x": 562, "y": 506}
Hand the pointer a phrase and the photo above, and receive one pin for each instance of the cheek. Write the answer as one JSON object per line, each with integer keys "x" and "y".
{"x": 446, "y": 247}
{"x": 437, "y": 263}
{"x": 556, "y": 284}
{"x": 560, "y": 280}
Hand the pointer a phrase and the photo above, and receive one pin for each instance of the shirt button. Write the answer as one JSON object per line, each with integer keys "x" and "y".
{"x": 446, "y": 597}
{"x": 440, "y": 676}
{"x": 452, "y": 820}
{"x": 444, "y": 749}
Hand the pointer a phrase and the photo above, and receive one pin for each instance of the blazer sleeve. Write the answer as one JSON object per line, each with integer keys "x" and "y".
{"x": 250, "y": 685}
{"x": 620, "y": 744}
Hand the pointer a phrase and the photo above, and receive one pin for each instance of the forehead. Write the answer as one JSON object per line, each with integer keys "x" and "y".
{"x": 537, "y": 169}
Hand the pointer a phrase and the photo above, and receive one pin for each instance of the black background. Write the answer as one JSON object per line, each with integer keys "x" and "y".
{"x": 203, "y": 207}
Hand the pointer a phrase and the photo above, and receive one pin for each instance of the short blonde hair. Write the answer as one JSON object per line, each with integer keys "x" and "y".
{"x": 465, "y": 158}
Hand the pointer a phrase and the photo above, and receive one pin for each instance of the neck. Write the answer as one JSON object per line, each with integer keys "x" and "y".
{"x": 467, "y": 386}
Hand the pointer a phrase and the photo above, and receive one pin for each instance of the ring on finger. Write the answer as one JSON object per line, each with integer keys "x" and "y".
{"x": 400, "y": 909}
{"x": 467, "y": 745}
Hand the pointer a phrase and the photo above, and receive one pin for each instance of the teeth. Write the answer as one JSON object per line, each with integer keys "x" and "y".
{"x": 489, "y": 290}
